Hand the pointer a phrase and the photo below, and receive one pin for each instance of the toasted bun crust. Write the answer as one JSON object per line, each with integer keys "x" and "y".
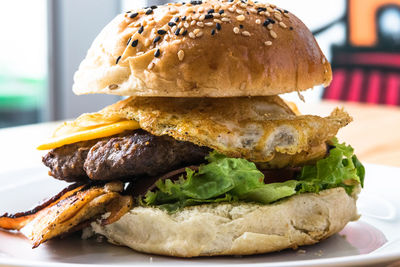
{"x": 234, "y": 229}
{"x": 254, "y": 50}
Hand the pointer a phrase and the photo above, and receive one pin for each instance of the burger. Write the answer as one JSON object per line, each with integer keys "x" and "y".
{"x": 201, "y": 157}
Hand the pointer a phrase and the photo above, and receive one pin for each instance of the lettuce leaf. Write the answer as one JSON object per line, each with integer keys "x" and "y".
{"x": 226, "y": 179}
{"x": 340, "y": 168}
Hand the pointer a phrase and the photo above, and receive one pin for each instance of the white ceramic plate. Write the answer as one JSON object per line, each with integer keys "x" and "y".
{"x": 374, "y": 239}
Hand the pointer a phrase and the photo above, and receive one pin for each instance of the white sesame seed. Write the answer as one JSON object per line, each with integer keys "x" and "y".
{"x": 273, "y": 34}
{"x": 243, "y": 5}
{"x": 173, "y": 29}
{"x": 232, "y": 9}
{"x": 173, "y": 10}
{"x": 201, "y": 9}
{"x": 239, "y": 11}
{"x": 286, "y": 14}
{"x": 147, "y": 42}
{"x": 278, "y": 17}
{"x": 150, "y": 66}
{"x": 139, "y": 53}
{"x": 270, "y": 26}
{"x": 202, "y": 17}
{"x": 180, "y": 25}
{"x": 224, "y": 15}
{"x": 199, "y": 34}
{"x": 196, "y": 16}
{"x": 267, "y": 14}
{"x": 192, "y": 35}
{"x": 217, "y": 21}
{"x": 258, "y": 21}
{"x": 217, "y": 7}
{"x": 262, "y": 13}
{"x": 252, "y": 10}
{"x": 193, "y": 22}
{"x": 323, "y": 60}
{"x": 113, "y": 86}
{"x": 190, "y": 9}
{"x": 189, "y": 18}
{"x": 209, "y": 24}
{"x": 226, "y": 20}
{"x": 268, "y": 43}
{"x": 186, "y": 25}
{"x": 196, "y": 31}
{"x": 236, "y": 30}
{"x": 246, "y": 33}
{"x": 200, "y": 24}
{"x": 240, "y": 18}
{"x": 182, "y": 30}
{"x": 216, "y": 15}
{"x": 283, "y": 25}
{"x": 269, "y": 9}
{"x": 181, "y": 55}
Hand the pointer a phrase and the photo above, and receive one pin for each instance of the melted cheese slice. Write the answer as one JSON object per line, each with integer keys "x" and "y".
{"x": 88, "y": 127}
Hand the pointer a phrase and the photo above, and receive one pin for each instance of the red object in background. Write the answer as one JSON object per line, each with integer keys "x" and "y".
{"x": 367, "y": 68}
{"x": 366, "y": 77}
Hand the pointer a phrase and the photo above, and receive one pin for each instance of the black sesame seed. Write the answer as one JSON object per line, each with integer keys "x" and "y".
{"x": 158, "y": 38}
{"x": 177, "y": 31}
{"x": 260, "y": 9}
{"x": 153, "y": 7}
{"x": 285, "y": 11}
{"x": 171, "y": 24}
{"x": 196, "y": 2}
{"x": 184, "y": 18}
{"x": 210, "y": 11}
{"x": 272, "y": 21}
{"x": 218, "y": 26}
{"x": 221, "y": 12}
{"x": 161, "y": 32}
{"x": 149, "y": 11}
{"x": 129, "y": 40}
{"x": 157, "y": 53}
{"x": 241, "y": 26}
{"x": 141, "y": 29}
{"x": 135, "y": 43}
{"x": 291, "y": 28}
{"x": 208, "y": 16}
{"x": 184, "y": 32}
{"x": 128, "y": 11}
{"x": 176, "y": 19}
{"x": 118, "y": 59}
{"x": 213, "y": 32}
{"x": 133, "y": 15}
{"x": 266, "y": 23}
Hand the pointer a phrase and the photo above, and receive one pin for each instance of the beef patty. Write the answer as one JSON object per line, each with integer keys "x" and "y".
{"x": 123, "y": 157}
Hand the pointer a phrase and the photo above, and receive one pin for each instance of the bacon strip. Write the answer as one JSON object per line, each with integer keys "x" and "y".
{"x": 70, "y": 209}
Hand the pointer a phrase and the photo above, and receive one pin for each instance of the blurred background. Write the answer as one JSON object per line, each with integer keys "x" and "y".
{"x": 43, "y": 42}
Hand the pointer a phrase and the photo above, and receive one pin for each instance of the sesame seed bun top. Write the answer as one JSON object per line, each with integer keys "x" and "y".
{"x": 203, "y": 49}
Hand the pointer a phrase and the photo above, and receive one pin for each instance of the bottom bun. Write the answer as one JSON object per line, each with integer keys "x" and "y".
{"x": 234, "y": 229}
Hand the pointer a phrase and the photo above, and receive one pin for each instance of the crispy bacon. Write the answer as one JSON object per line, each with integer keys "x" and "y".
{"x": 69, "y": 211}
